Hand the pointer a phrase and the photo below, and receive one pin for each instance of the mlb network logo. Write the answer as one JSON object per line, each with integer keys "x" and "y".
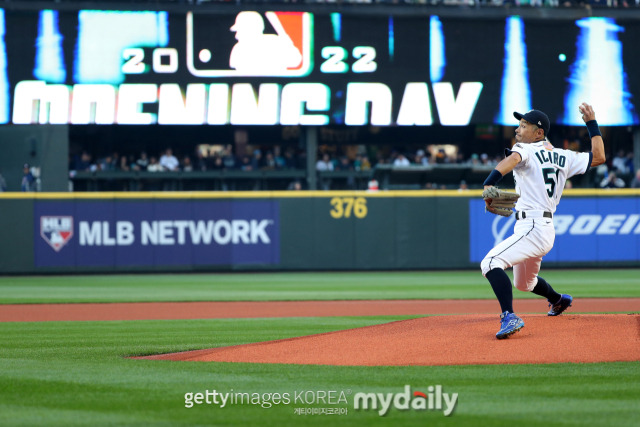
{"x": 253, "y": 44}
{"x": 56, "y": 230}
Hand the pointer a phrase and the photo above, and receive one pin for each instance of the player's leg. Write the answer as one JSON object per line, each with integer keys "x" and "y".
{"x": 544, "y": 289}
{"x": 504, "y": 255}
{"x": 518, "y": 248}
{"x": 526, "y": 279}
{"x": 493, "y": 268}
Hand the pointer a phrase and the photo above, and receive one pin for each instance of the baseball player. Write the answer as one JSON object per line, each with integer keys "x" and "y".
{"x": 540, "y": 172}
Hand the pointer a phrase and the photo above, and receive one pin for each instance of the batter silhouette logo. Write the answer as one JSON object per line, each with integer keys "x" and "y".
{"x": 57, "y": 231}
{"x": 252, "y": 44}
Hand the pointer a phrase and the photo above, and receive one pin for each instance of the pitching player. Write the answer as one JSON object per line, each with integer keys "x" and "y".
{"x": 540, "y": 172}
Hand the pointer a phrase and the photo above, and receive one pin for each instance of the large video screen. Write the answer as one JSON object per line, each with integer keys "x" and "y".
{"x": 300, "y": 68}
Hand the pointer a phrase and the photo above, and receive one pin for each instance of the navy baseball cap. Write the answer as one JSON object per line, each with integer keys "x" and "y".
{"x": 535, "y": 117}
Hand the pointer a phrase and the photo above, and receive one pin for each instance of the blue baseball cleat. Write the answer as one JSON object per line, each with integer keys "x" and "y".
{"x": 510, "y": 324}
{"x": 560, "y": 306}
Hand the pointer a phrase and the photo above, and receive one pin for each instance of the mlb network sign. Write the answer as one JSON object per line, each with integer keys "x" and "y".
{"x": 156, "y": 233}
{"x": 587, "y": 229}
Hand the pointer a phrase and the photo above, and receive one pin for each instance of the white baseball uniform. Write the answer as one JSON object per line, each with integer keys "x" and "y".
{"x": 540, "y": 178}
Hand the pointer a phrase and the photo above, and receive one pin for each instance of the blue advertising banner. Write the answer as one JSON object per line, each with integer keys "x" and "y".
{"x": 155, "y": 233}
{"x": 587, "y": 229}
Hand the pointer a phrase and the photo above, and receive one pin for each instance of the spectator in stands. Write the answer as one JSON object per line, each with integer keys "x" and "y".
{"x": 440, "y": 156}
{"x": 289, "y": 158}
{"x": 256, "y": 159}
{"x": 401, "y": 160}
{"x": 124, "y": 163}
{"x": 228, "y": 159}
{"x": 269, "y": 162}
{"x": 83, "y": 163}
{"x": 361, "y": 163}
{"x": 200, "y": 163}
{"x": 245, "y": 164}
{"x": 28, "y": 180}
{"x": 217, "y": 164}
{"x": 463, "y": 186}
{"x": 612, "y": 181}
{"x": 154, "y": 166}
{"x": 322, "y": 165}
{"x": 115, "y": 161}
{"x": 345, "y": 165}
{"x": 629, "y": 161}
{"x": 168, "y": 161}
{"x": 3, "y": 184}
{"x": 186, "y": 164}
{"x": 365, "y": 163}
{"x": 106, "y": 164}
{"x": 278, "y": 157}
{"x": 295, "y": 186}
{"x": 619, "y": 163}
{"x": 142, "y": 162}
{"x": 635, "y": 183}
{"x": 421, "y": 158}
{"x": 325, "y": 163}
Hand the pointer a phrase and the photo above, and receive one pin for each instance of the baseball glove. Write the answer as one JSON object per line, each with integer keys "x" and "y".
{"x": 500, "y": 202}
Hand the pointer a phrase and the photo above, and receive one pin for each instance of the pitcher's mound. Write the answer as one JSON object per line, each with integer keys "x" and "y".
{"x": 447, "y": 340}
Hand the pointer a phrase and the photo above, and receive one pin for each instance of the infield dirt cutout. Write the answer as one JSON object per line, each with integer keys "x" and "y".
{"x": 453, "y": 340}
{"x": 446, "y": 340}
{"x": 456, "y": 339}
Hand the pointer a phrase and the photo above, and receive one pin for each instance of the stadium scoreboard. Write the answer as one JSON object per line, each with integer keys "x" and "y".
{"x": 312, "y": 69}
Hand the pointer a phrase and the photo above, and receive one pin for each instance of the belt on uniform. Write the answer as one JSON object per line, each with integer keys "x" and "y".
{"x": 533, "y": 214}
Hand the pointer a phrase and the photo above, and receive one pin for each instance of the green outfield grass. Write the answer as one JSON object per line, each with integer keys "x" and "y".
{"x": 75, "y": 373}
{"x": 603, "y": 283}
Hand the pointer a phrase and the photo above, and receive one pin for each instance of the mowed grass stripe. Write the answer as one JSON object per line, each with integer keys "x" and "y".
{"x": 300, "y": 286}
{"x": 74, "y": 373}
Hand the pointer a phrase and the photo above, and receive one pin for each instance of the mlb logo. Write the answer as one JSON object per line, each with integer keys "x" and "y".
{"x": 250, "y": 43}
{"x": 56, "y": 230}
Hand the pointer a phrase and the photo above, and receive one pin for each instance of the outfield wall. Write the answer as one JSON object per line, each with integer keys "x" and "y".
{"x": 118, "y": 232}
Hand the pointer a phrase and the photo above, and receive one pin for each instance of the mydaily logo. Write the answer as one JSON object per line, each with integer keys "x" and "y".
{"x": 433, "y": 399}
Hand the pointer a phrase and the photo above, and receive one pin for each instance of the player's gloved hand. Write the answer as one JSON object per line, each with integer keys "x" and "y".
{"x": 499, "y": 202}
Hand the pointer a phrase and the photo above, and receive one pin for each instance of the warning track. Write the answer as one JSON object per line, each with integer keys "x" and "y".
{"x": 248, "y": 309}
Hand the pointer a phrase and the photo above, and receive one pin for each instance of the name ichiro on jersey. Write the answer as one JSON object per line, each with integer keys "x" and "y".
{"x": 549, "y": 157}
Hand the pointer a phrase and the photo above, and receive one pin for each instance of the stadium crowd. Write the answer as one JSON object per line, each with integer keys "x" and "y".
{"x": 618, "y": 172}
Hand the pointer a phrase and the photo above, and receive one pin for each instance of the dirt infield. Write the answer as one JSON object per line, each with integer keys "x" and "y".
{"x": 237, "y": 310}
{"x": 447, "y": 340}
{"x": 466, "y": 336}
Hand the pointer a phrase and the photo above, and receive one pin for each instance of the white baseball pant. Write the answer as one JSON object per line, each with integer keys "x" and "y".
{"x": 532, "y": 239}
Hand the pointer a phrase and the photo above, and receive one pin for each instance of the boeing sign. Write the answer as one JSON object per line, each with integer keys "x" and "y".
{"x": 587, "y": 229}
